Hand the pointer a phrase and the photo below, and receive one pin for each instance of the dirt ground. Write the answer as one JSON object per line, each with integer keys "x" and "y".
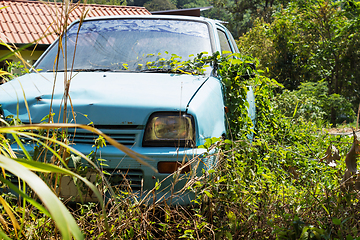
{"x": 342, "y": 131}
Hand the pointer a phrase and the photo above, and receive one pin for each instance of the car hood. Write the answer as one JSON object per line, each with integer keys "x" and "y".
{"x": 110, "y": 98}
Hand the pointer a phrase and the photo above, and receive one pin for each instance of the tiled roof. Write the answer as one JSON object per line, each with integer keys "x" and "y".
{"x": 28, "y": 21}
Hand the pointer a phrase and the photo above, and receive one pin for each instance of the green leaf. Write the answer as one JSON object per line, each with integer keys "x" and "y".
{"x": 208, "y": 194}
{"x": 336, "y": 221}
{"x": 62, "y": 217}
{"x": 157, "y": 185}
{"x": 2, "y": 234}
{"x": 228, "y": 235}
{"x": 349, "y": 237}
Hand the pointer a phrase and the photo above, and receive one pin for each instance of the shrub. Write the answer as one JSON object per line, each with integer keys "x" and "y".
{"x": 312, "y": 103}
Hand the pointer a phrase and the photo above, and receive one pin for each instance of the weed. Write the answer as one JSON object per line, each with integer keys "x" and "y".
{"x": 274, "y": 187}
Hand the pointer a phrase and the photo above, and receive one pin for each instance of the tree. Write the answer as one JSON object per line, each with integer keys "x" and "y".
{"x": 181, "y": 4}
{"x": 159, "y": 5}
{"x": 316, "y": 40}
{"x": 240, "y": 14}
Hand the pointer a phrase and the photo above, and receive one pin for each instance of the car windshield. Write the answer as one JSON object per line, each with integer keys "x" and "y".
{"x": 127, "y": 44}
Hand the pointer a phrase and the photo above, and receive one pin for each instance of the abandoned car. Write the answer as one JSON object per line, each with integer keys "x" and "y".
{"x": 123, "y": 83}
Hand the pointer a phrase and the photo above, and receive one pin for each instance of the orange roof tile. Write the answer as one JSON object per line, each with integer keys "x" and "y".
{"x": 24, "y": 21}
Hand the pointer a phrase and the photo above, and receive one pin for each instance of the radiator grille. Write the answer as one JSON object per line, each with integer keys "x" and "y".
{"x": 89, "y": 138}
{"x": 124, "y": 179}
{"x": 125, "y": 135}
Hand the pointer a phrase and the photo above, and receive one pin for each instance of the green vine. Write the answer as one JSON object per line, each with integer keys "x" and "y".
{"x": 237, "y": 73}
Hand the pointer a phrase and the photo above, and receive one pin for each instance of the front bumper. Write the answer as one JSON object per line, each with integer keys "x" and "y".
{"x": 128, "y": 177}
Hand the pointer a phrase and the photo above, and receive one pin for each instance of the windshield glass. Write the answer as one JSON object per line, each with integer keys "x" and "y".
{"x": 127, "y": 44}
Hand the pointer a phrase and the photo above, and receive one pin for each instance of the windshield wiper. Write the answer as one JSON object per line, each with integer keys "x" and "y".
{"x": 83, "y": 70}
{"x": 157, "y": 70}
{"x": 165, "y": 70}
{"x": 92, "y": 70}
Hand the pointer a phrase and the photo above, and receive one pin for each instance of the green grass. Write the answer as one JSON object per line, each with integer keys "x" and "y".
{"x": 275, "y": 187}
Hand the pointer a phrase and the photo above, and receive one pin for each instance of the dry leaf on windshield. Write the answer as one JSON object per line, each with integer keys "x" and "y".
{"x": 332, "y": 154}
{"x": 351, "y": 156}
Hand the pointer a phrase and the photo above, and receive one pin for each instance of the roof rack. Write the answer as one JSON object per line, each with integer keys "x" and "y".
{"x": 194, "y": 12}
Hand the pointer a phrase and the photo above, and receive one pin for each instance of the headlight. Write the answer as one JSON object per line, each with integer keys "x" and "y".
{"x": 169, "y": 129}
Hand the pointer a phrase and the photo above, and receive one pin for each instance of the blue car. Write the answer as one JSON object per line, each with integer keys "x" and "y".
{"x": 122, "y": 79}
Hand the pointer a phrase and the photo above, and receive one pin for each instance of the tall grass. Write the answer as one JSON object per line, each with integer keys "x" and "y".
{"x": 24, "y": 170}
{"x": 275, "y": 187}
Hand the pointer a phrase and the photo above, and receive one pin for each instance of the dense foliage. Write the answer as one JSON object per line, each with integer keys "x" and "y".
{"x": 311, "y": 41}
{"x": 312, "y": 102}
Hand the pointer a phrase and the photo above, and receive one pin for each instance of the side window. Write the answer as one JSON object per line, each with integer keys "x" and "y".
{"x": 224, "y": 42}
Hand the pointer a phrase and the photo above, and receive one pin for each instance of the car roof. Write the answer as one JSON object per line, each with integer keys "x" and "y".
{"x": 172, "y": 17}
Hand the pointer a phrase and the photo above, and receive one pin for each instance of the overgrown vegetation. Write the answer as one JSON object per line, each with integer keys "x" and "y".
{"x": 312, "y": 102}
{"x": 280, "y": 186}
{"x": 292, "y": 181}
{"x": 311, "y": 41}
